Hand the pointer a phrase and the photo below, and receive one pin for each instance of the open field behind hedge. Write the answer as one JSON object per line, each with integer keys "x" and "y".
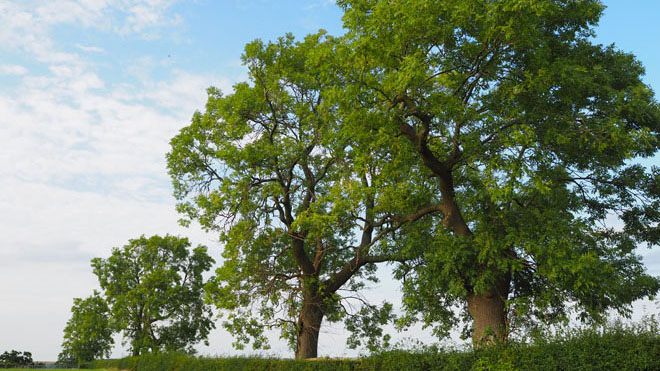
{"x": 634, "y": 347}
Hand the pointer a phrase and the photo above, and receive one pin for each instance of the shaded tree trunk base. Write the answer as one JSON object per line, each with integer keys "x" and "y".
{"x": 488, "y": 312}
{"x": 309, "y": 325}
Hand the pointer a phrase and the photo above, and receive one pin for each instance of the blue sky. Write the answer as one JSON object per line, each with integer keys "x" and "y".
{"x": 91, "y": 91}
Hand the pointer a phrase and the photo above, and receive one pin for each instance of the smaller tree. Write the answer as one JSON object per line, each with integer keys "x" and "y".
{"x": 88, "y": 333}
{"x": 154, "y": 287}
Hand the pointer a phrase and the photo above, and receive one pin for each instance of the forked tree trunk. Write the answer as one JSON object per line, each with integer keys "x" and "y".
{"x": 309, "y": 325}
{"x": 488, "y": 312}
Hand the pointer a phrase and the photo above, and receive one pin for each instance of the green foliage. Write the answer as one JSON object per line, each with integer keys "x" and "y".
{"x": 88, "y": 334}
{"x": 614, "y": 347}
{"x": 154, "y": 287}
{"x": 531, "y": 137}
{"x": 301, "y": 214}
{"x": 14, "y": 358}
{"x": 367, "y": 324}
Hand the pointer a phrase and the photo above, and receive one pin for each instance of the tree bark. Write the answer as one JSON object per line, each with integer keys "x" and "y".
{"x": 309, "y": 325}
{"x": 488, "y": 312}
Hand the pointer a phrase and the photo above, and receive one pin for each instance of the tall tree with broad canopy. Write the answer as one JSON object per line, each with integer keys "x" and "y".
{"x": 301, "y": 215}
{"x": 533, "y": 136}
{"x": 154, "y": 288}
{"x": 88, "y": 333}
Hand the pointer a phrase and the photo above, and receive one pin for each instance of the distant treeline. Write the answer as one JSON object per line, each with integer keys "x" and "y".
{"x": 14, "y": 358}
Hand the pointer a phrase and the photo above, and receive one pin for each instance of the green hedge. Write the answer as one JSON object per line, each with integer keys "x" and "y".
{"x": 615, "y": 349}
{"x": 182, "y": 362}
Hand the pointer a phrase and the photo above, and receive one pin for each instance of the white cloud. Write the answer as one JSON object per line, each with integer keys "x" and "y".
{"x": 141, "y": 68}
{"x": 91, "y": 49}
{"x": 42, "y": 222}
{"x": 12, "y": 69}
{"x": 68, "y": 125}
{"x": 184, "y": 90}
{"x": 26, "y": 25}
{"x": 148, "y": 14}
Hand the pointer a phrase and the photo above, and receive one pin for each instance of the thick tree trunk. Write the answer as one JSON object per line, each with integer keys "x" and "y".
{"x": 488, "y": 309}
{"x": 488, "y": 312}
{"x": 309, "y": 325}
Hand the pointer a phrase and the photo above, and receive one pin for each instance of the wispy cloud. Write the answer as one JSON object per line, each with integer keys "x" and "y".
{"x": 147, "y": 14}
{"x": 27, "y": 24}
{"x": 69, "y": 124}
{"x": 92, "y": 49}
{"x": 12, "y": 69}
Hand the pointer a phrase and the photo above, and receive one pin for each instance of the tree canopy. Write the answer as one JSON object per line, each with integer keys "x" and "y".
{"x": 154, "y": 288}
{"x": 531, "y": 133}
{"x": 303, "y": 217}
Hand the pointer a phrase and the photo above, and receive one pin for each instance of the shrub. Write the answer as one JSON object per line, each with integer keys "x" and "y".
{"x": 615, "y": 347}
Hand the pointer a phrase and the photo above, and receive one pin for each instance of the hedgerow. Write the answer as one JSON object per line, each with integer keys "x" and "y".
{"x": 617, "y": 347}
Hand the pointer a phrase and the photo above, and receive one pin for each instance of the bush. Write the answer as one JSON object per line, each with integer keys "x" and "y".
{"x": 617, "y": 347}
{"x": 183, "y": 362}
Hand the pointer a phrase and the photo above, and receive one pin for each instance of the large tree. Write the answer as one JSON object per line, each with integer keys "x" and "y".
{"x": 531, "y": 134}
{"x": 154, "y": 287}
{"x": 88, "y": 334}
{"x": 301, "y": 214}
